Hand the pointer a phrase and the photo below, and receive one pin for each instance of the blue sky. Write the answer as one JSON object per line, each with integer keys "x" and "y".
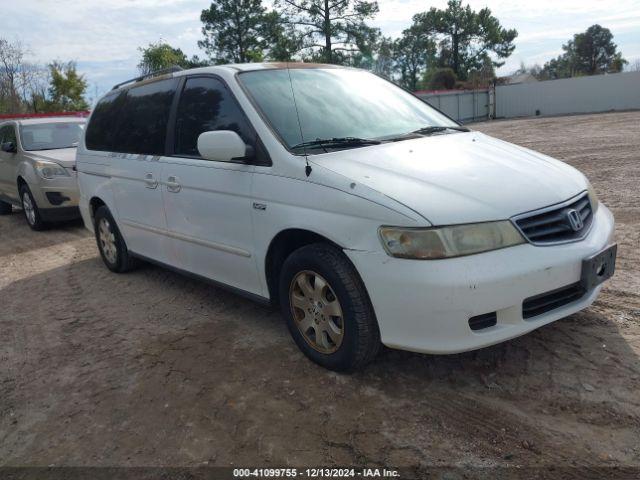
{"x": 103, "y": 36}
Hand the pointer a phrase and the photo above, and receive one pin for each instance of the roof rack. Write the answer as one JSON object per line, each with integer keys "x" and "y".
{"x": 156, "y": 73}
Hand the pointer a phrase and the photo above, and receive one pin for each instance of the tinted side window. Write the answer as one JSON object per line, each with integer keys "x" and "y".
{"x": 8, "y": 134}
{"x": 205, "y": 104}
{"x": 144, "y": 117}
{"x": 102, "y": 129}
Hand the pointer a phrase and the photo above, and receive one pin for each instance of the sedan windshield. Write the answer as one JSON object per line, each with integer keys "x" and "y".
{"x": 50, "y": 136}
{"x": 337, "y": 103}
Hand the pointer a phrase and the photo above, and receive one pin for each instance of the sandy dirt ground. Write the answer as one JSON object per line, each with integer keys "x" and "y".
{"x": 151, "y": 368}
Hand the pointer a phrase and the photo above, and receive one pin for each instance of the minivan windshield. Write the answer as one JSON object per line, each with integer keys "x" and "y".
{"x": 50, "y": 136}
{"x": 349, "y": 105}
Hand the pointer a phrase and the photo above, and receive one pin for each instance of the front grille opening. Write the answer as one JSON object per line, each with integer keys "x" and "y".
{"x": 56, "y": 198}
{"x": 554, "y": 225}
{"x": 480, "y": 322}
{"x": 545, "y": 302}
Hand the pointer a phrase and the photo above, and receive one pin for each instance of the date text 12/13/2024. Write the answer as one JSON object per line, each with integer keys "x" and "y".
{"x": 315, "y": 473}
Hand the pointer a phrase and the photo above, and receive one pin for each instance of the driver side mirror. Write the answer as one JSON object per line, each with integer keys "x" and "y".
{"x": 223, "y": 146}
{"x": 9, "y": 147}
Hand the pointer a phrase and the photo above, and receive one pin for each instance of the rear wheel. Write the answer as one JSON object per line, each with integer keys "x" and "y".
{"x": 111, "y": 245}
{"x": 327, "y": 308}
{"x": 5, "y": 208}
{"x": 30, "y": 209}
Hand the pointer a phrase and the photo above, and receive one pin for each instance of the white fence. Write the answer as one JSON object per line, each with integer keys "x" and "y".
{"x": 461, "y": 105}
{"x": 598, "y": 93}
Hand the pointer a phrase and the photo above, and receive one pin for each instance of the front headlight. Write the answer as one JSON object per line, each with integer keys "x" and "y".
{"x": 593, "y": 198}
{"x": 50, "y": 170}
{"x": 451, "y": 241}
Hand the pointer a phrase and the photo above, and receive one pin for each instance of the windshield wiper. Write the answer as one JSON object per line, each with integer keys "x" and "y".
{"x": 421, "y": 132}
{"x": 337, "y": 142}
{"x": 436, "y": 129}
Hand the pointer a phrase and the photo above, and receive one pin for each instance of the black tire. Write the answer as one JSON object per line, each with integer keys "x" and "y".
{"x": 5, "y": 208}
{"x": 31, "y": 212}
{"x": 361, "y": 337}
{"x": 118, "y": 258}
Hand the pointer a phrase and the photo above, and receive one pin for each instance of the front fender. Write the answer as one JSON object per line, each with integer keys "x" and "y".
{"x": 26, "y": 171}
{"x": 350, "y": 220}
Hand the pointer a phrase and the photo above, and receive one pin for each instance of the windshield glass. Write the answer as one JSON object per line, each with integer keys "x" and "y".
{"x": 336, "y": 103}
{"x": 50, "y": 136}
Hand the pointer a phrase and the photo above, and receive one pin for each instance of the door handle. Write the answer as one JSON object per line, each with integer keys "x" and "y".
{"x": 150, "y": 181}
{"x": 173, "y": 184}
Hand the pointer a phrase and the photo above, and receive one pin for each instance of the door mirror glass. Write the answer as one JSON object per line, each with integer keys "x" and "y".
{"x": 9, "y": 147}
{"x": 222, "y": 146}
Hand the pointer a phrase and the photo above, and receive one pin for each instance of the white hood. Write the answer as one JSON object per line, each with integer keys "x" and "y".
{"x": 459, "y": 177}
{"x": 63, "y": 156}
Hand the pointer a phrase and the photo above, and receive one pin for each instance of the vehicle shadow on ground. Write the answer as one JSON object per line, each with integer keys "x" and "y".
{"x": 16, "y": 237}
{"x": 152, "y": 368}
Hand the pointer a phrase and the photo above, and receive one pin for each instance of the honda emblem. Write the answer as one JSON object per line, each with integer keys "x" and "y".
{"x": 575, "y": 220}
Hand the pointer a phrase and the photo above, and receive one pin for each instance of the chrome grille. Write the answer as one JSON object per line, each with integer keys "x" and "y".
{"x": 561, "y": 223}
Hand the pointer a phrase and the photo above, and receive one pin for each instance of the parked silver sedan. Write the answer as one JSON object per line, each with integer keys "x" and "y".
{"x": 37, "y": 168}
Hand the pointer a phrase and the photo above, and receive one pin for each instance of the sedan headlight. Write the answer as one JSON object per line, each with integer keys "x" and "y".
{"x": 50, "y": 170}
{"x": 451, "y": 241}
{"x": 593, "y": 198}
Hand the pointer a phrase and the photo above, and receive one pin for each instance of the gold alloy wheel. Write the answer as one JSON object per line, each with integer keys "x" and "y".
{"x": 316, "y": 311}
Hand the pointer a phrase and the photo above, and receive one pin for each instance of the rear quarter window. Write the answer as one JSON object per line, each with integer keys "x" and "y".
{"x": 102, "y": 129}
{"x": 133, "y": 121}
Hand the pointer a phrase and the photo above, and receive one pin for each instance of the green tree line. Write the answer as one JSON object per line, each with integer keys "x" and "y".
{"x": 441, "y": 49}
{"x": 30, "y": 88}
{"x": 592, "y": 52}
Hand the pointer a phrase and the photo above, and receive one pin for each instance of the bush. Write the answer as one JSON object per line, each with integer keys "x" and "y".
{"x": 441, "y": 79}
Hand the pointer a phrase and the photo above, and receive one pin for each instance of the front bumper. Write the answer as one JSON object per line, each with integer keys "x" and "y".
{"x": 59, "y": 214}
{"x": 425, "y": 306}
{"x": 56, "y": 193}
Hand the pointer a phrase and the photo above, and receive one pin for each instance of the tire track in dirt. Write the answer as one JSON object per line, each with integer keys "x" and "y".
{"x": 150, "y": 368}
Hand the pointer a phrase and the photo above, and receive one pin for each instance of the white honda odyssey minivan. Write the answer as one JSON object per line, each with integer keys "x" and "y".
{"x": 368, "y": 216}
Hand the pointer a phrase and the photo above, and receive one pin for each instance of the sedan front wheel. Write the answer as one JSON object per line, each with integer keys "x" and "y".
{"x": 30, "y": 209}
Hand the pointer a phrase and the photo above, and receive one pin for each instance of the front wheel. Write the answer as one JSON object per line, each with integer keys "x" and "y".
{"x": 327, "y": 309}
{"x": 30, "y": 209}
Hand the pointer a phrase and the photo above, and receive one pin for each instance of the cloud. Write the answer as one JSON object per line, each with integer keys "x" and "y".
{"x": 103, "y": 36}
